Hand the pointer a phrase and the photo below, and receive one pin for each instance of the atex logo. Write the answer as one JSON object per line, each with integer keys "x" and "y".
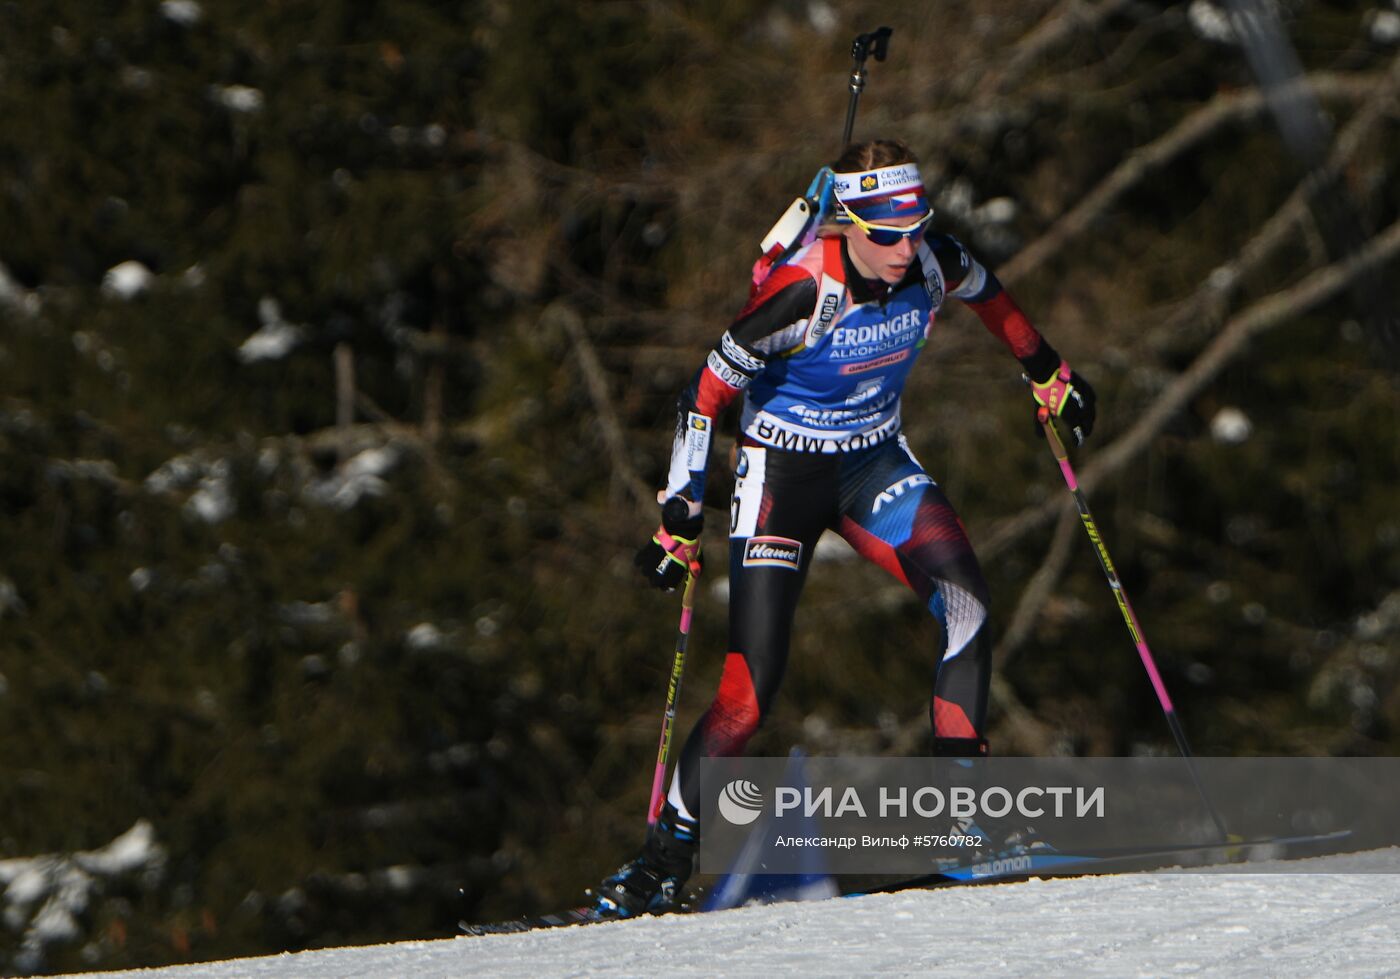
{"x": 892, "y": 493}
{"x": 741, "y": 802}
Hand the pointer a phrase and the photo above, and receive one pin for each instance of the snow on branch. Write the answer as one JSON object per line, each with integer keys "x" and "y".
{"x": 46, "y": 896}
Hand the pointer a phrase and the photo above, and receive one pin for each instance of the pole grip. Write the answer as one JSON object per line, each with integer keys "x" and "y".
{"x": 675, "y": 511}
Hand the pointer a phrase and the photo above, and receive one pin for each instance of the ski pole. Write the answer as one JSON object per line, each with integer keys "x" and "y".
{"x": 1057, "y": 446}
{"x": 876, "y": 44}
{"x": 673, "y": 692}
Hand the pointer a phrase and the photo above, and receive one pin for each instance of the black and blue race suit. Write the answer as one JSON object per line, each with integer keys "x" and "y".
{"x": 820, "y": 356}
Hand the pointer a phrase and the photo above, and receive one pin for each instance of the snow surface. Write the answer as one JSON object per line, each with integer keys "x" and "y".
{"x": 1339, "y": 918}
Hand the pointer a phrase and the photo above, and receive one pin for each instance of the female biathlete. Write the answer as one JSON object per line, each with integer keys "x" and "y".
{"x": 820, "y": 355}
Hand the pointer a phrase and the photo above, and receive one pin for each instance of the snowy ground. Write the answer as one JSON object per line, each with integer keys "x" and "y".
{"x": 1342, "y": 917}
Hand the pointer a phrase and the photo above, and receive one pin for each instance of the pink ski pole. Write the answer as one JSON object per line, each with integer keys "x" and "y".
{"x": 1057, "y": 446}
{"x": 673, "y": 692}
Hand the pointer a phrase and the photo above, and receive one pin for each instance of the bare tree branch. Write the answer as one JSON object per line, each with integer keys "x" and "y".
{"x": 567, "y": 318}
{"x": 1207, "y": 304}
{"x": 1267, "y": 313}
{"x": 1068, "y": 19}
{"x": 1211, "y": 295}
{"x": 1027, "y": 734}
{"x": 1220, "y": 111}
{"x": 1037, "y": 592}
{"x": 479, "y": 141}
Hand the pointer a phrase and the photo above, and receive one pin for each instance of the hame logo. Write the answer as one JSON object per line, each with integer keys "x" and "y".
{"x": 773, "y": 552}
{"x": 741, "y": 802}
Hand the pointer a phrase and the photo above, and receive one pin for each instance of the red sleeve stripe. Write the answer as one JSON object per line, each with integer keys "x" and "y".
{"x": 781, "y": 277}
{"x": 1004, "y": 320}
{"x": 712, "y": 395}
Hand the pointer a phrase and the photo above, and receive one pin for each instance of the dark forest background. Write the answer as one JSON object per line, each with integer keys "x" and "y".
{"x": 316, "y": 524}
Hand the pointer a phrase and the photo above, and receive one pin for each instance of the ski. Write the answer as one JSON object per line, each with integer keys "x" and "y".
{"x": 584, "y": 915}
{"x": 1008, "y": 867}
{"x": 1005, "y": 868}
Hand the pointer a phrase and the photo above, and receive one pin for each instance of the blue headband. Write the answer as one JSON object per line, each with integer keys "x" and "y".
{"x": 880, "y": 209}
{"x": 887, "y": 192}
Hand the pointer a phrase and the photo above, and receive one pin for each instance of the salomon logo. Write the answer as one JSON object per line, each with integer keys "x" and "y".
{"x": 741, "y": 802}
{"x": 1002, "y": 865}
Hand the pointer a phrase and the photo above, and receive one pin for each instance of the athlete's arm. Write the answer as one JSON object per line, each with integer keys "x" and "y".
{"x": 773, "y": 322}
{"x": 1053, "y": 385}
{"x": 980, "y": 289}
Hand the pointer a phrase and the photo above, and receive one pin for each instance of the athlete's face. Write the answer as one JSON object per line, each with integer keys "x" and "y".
{"x": 888, "y": 263}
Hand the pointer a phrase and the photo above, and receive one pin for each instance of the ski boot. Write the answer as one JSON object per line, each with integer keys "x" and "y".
{"x": 652, "y": 883}
{"x": 999, "y": 836}
{"x": 1024, "y": 839}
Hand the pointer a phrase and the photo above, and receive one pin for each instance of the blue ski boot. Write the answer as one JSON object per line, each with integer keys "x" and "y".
{"x": 653, "y": 882}
{"x": 993, "y": 836}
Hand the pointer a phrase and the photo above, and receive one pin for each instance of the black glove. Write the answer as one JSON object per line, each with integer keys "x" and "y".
{"x": 667, "y": 567}
{"x": 1069, "y": 399}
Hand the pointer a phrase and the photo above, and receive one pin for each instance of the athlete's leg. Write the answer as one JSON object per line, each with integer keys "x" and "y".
{"x": 782, "y": 503}
{"x": 897, "y": 517}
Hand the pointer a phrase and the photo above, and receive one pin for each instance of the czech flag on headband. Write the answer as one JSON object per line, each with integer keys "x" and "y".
{"x": 886, "y": 192}
{"x": 877, "y": 209}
